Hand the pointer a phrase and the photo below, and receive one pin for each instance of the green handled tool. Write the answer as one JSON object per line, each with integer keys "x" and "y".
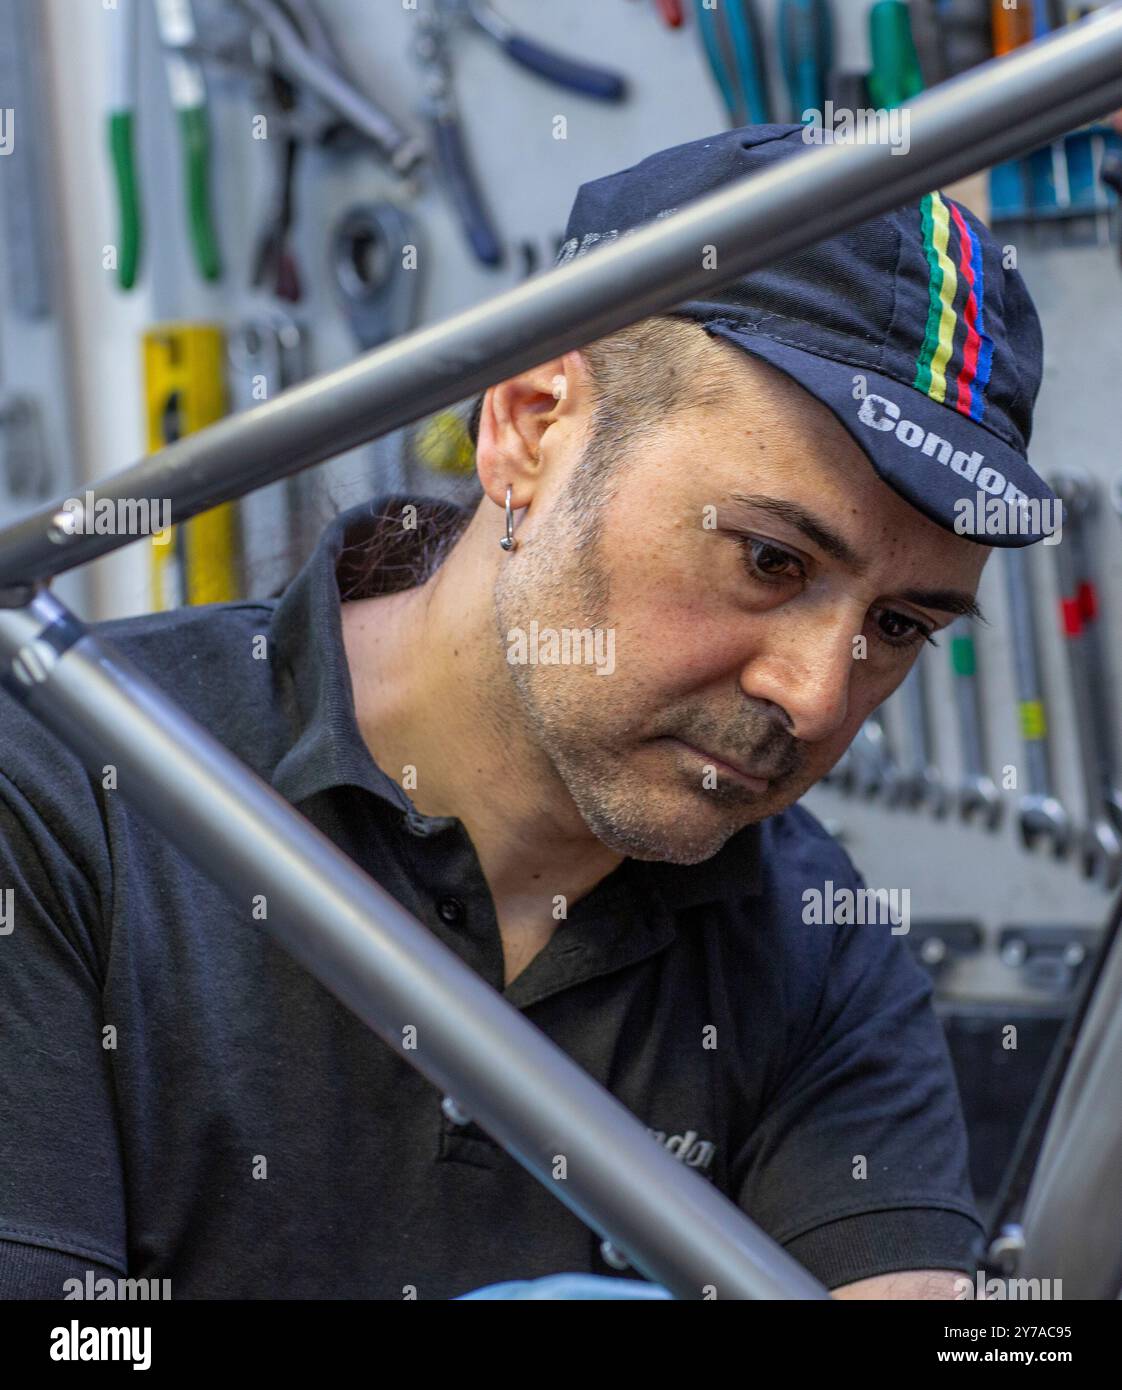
{"x": 896, "y": 75}
{"x": 122, "y": 137}
{"x": 176, "y": 22}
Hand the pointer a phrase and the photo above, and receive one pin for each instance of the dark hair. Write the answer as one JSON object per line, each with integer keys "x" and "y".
{"x": 642, "y": 374}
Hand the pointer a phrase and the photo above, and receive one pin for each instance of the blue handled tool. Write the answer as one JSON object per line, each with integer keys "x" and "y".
{"x": 591, "y": 81}
{"x": 806, "y": 53}
{"x": 439, "y": 106}
{"x": 734, "y": 46}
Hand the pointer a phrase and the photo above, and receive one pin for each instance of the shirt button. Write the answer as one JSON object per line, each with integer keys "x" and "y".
{"x": 451, "y": 910}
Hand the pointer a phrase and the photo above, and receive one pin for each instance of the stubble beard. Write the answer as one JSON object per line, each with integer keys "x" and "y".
{"x": 582, "y": 723}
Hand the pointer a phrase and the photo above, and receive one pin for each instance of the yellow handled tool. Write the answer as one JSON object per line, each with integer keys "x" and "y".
{"x": 184, "y": 388}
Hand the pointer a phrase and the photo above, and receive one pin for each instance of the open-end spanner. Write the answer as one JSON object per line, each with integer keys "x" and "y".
{"x": 1040, "y": 814}
{"x": 1078, "y": 491}
{"x": 875, "y": 770}
{"x": 1099, "y": 844}
{"x": 921, "y": 782}
{"x": 977, "y": 792}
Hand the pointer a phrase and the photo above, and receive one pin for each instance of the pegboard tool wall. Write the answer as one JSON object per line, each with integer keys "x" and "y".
{"x": 529, "y": 177}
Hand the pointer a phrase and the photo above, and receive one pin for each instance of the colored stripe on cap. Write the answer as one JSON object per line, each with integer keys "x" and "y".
{"x": 977, "y": 348}
{"x": 942, "y": 286}
{"x": 938, "y": 361}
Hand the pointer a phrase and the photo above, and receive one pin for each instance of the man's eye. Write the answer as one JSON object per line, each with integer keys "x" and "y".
{"x": 768, "y": 562}
{"x": 898, "y": 630}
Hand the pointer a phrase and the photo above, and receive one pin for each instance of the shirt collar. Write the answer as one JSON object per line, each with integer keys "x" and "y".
{"x": 367, "y": 550}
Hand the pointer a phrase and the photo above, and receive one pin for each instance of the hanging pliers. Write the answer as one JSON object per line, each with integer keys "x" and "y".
{"x": 304, "y": 54}
{"x": 176, "y": 23}
{"x": 591, "y": 81}
{"x": 432, "y": 52}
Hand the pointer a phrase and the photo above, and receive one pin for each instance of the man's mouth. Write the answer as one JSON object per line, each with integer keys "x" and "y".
{"x": 735, "y": 771}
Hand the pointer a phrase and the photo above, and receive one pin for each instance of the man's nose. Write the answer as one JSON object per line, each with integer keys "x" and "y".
{"x": 806, "y": 669}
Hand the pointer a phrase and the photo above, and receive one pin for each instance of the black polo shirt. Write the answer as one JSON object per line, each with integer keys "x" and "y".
{"x": 179, "y": 1100}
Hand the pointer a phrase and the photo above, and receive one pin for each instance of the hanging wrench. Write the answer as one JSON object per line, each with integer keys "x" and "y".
{"x": 922, "y": 782}
{"x": 1099, "y": 843}
{"x": 267, "y": 355}
{"x": 1078, "y": 491}
{"x": 977, "y": 792}
{"x": 1039, "y": 814}
{"x": 875, "y": 771}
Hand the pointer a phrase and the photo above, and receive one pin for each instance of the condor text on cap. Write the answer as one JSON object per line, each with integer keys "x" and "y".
{"x": 879, "y": 413}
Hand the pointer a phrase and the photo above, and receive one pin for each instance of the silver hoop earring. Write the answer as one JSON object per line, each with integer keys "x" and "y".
{"x": 508, "y": 542}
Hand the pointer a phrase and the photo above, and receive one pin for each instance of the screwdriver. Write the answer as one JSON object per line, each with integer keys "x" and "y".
{"x": 805, "y": 52}
{"x": 895, "y": 76}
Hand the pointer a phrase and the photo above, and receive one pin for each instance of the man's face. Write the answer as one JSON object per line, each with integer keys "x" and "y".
{"x": 760, "y": 591}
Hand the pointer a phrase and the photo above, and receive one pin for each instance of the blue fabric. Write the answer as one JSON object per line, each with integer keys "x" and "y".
{"x": 563, "y": 1286}
{"x": 858, "y": 304}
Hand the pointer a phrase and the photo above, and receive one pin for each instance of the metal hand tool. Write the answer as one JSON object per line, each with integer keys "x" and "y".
{"x": 875, "y": 770}
{"x": 895, "y": 75}
{"x": 977, "y": 793}
{"x": 266, "y": 356}
{"x": 185, "y": 392}
{"x": 734, "y": 44}
{"x": 921, "y": 782}
{"x": 1079, "y": 489}
{"x": 25, "y": 206}
{"x": 1100, "y": 844}
{"x": 176, "y": 22}
{"x": 122, "y": 137}
{"x": 303, "y": 52}
{"x": 441, "y": 111}
{"x": 577, "y": 76}
{"x": 950, "y": 36}
{"x": 1039, "y": 814}
{"x": 378, "y": 295}
{"x": 805, "y": 33}
{"x": 274, "y": 258}
{"x": 24, "y": 462}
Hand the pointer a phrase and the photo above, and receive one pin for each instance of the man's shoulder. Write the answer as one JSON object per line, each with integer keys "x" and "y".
{"x": 796, "y": 858}
{"x": 798, "y": 852}
{"x": 201, "y": 656}
{"x": 195, "y": 629}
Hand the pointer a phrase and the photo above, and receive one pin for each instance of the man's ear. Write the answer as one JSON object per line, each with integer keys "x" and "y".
{"x": 515, "y": 418}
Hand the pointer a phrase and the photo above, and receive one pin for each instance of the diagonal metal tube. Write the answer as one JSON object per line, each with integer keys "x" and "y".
{"x": 1001, "y": 109}
{"x": 335, "y": 920}
{"x": 399, "y": 978}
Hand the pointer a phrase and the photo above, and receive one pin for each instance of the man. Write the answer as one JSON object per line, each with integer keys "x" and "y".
{"x": 567, "y": 731}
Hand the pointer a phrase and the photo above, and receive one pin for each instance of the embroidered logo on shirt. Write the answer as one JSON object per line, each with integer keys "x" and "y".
{"x": 687, "y": 1148}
